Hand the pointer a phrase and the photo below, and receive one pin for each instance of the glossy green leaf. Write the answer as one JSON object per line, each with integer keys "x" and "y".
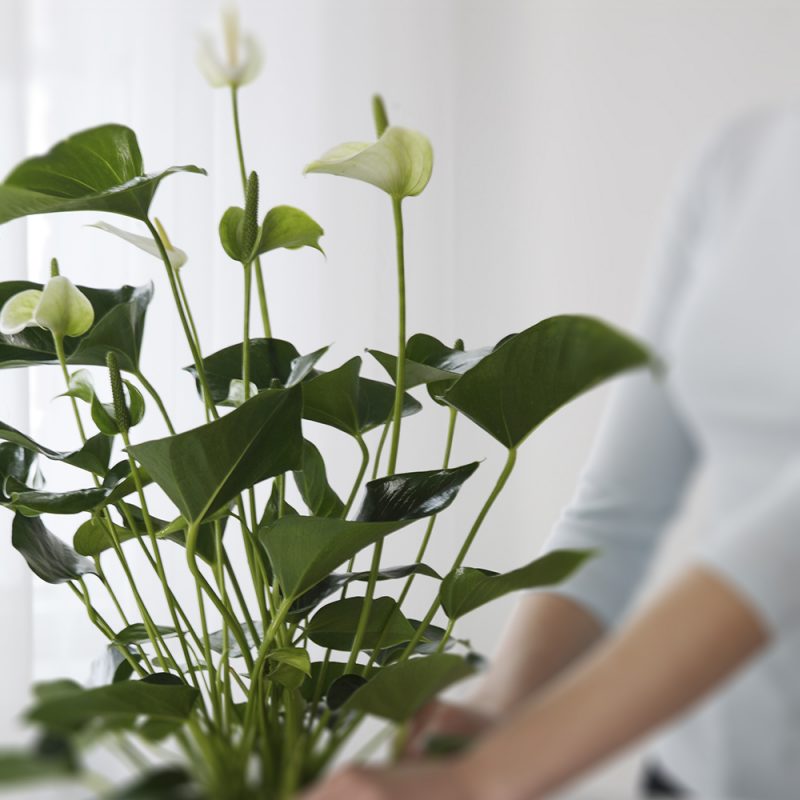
{"x": 119, "y": 317}
{"x": 93, "y": 456}
{"x": 204, "y": 468}
{"x": 99, "y": 169}
{"x": 270, "y": 360}
{"x": 398, "y": 691}
{"x": 355, "y": 405}
{"x": 16, "y": 462}
{"x": 47, "y": 556}
{"x": 312, "y": 483}
{"x": 468, "y": 588}
{"x": 342, "y": 689}
{"x": 519, "y": 385}
{"x": 328, "y": 673}
{"x": 413, "y": 495}
{"x": 272, "y": 510}
{"x": 304, "y": 550}
{"x": 429, "y": 643}
{"x": 230, "y": 235}
{"x": 288, "y": 227}
{"x": 330, "y": 585}
{"x": 303, "y": 367}
{"x": 32, "y": 502}
{"x": 116, "y": 701}
{"x": 334, "y": 625}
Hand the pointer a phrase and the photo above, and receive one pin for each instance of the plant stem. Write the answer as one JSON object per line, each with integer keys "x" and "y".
{"x": 262, "y": 294}
{"x": 462, "y": 553}
{"x": 379, "y": 451}
{"x": 248, "y": 280}
{"x": 179, "y": 304}
{"x": 151, "y": 390}
{"x": 399, "y": 391}
{"x": 58, "y": 341}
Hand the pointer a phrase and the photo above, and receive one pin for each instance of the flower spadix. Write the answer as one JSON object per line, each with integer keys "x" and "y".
{"x": 60, "y": 307}
{"x": 242, "y": 58}
{"x": 177, "y": 257}
{"x": 400, "y": 162}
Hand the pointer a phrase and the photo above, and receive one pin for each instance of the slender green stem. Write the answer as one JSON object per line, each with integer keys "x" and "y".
{"x": 400, "y": 380}
{"x": 111, "y": 593}
{"x": 379, "y": 451}
{"x": 194, "y": 347}
{"x": 58, "y": 341}
{"x": 359, "y": 477}
{"x": 248, "y": 280}
{"x": 462, "y": 553}
{"x": 151, "y": 390}
{"x": 159, "y": 563}
{"x": 260, "y": 288}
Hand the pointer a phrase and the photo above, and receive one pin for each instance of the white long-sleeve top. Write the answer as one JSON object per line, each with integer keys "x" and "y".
{"x": 724, "y": 313}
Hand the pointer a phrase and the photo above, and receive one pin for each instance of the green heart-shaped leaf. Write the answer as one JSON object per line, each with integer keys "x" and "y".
{"x": 270, "y": 360}
{"x": 16, "y": 462}
{"x": 288, "y": 227}
{"x": 47, "y": 556}
{"x": 204, "y": 468}
{"x": 99, "y": 169}
{"x": 515, "y": 388}
{"x": 468, "y": 588}
{"x": 304, "y": 550}
{"x": 352, "y": 404}
{"x": 118, "y": 701}
{"x": 334, "y": 625}
{"x": 291, "y": 666}
{"x": 119, "y": 316}
{"x": 398, "y": 691}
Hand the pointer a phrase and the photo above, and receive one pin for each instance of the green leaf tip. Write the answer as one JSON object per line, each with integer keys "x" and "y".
{"x": 379, "y": 115}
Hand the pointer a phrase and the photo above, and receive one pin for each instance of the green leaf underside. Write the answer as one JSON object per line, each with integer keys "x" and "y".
{"x": 93, "y": 538}
{"x": 333, "y": 670}
{"x": 119, "y": 316}
{"x": 429, "y": 361}
{"x": 137, "y": 633}
{"x": 99, "y": 169}
{"x": 93, "y": 456}
{"x": 128, "y": 699}
{"x": 204, "y": 468}
{"x": 47, "y": 556}
{"x": 398, "y": 691}
{"x": 288, "y": 227}
{"x": 31, "y": 503}
{"x": 355, "y": 405}
{"x": 304, "y": 550}
{"x": 16, "y": 462}
{"x": 312, "y": 483}
{"x": 335, "y": 624}
{"x": 330, "y": 585}
{"x": 413, "y": 495}
{"x": 469, "y": 588}
{"x": 525, "y": 380}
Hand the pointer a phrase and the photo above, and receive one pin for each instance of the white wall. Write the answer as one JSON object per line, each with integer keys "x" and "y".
{"x": 559, "y": 128}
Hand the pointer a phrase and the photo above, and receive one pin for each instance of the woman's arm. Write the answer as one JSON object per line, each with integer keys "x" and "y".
{"x": 687, "y": 642}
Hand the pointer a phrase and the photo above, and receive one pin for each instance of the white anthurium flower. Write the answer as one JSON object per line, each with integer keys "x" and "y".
{"x": 242, "y": 59}
{"x": 177, "y": 257}
{"x": 400, "y": 162}
{"x": 60, "y": 307}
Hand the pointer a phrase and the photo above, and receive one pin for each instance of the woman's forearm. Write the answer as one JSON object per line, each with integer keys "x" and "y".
{"x": 546, "y": 634}
{"x": 689, "y": 640}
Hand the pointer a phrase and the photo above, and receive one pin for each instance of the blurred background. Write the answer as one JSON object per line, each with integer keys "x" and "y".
{"x": 560, "y": 128}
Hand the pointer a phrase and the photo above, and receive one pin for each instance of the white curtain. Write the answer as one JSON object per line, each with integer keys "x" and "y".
{"x": 558, "y": 127}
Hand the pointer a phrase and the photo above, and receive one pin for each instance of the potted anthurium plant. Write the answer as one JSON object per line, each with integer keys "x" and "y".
{"x": 257, "y": 672}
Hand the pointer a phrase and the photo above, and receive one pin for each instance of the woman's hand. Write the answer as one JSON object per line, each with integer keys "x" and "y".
{"x": 442, "y": 719}
{"x": 420, "y": 780}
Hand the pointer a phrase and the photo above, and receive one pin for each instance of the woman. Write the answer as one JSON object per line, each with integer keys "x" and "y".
{"x": 717, "y": 653}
